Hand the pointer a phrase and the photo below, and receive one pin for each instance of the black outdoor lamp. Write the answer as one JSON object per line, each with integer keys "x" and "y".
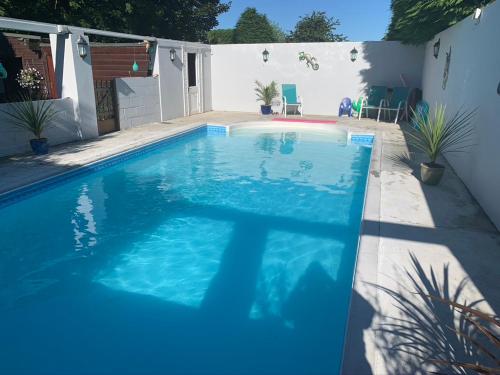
{"x": 265, "y": 55}
{"x": 83, "y": 47}
{"x": 354, "y": 54}
{"x": 172, "y": 54}
{"x": 436, "y": 48}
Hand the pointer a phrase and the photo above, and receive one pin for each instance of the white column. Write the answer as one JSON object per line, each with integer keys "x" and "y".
{"x": 172, "y": 95}
{"x": 74, "y": 80}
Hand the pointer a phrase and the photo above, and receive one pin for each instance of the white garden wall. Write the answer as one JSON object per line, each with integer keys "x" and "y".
{"x": 171, "y": 81}
{"x": 173, "y": 75}
{"x": 138, "y": 101}
{"x": 64, "y": 129}
{"x": 236, "y": 67}
{"x": 473, "y": 81}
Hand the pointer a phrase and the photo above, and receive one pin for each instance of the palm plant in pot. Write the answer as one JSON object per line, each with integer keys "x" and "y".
{"x": 35, "y": 117}
{"x": 435, "y": 135}
{"x": 266, "y": 94}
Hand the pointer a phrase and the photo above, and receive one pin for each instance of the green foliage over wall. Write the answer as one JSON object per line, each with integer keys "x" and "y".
{"x": 279, "y": 34}
{"x": 253, "y": 27}
{"x": 175, "y": 19}
{"x": 417, "y": 21}
{"x": 221, "y": 36}
{"x": 316, "y": 27}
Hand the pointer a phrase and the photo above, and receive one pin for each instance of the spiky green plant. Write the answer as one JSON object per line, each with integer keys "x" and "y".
{"x": 267, "y": 93}
{"x": 435, "y": 135}
{"x": 32, "y": 116}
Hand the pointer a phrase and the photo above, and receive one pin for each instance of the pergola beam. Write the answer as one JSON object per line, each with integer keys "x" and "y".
{"x": 49, "y": 28}
{"x": 25, "y": 25}
{"x": 111, "y": 34}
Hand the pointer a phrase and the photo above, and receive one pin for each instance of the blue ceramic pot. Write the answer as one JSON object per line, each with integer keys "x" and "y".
{"x": 266, "y": 109}
{"x": 40, "y": 146}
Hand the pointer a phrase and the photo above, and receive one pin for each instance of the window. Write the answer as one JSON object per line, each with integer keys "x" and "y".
{"x": 191, "y": 69}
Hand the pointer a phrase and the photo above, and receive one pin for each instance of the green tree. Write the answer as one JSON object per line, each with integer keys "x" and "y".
{"x": 253, "y": 27}
{"x": 316, "y": 27}
{"x": 221, "y": 36}
{"x": 279, "y": 34}
{"x": 417, "y": 21}
{"x": 175, "y": 19}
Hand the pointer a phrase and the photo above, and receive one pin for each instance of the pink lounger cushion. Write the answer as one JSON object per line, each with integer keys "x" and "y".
{"x": 283, "y": 119}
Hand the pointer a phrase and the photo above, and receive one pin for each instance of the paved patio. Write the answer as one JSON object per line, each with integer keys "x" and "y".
{"x": 432, "y": 240}
{"x": 443, "y": 227}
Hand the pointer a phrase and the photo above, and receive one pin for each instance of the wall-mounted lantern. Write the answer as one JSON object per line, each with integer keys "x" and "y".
{"x": 83, "y": 47}
{"x": 437, "y": 45}
{"x": 172, "y": 54}
{"x": 265, "y": 55}
{"x": 354, "y": 54}
{"x": 477, "y": 15}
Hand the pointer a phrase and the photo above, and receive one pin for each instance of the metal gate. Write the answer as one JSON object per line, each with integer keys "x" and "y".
{"x": 105, "y": 101}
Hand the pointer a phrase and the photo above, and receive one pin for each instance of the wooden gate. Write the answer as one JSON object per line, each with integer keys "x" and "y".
{"x": 105, "y": 100}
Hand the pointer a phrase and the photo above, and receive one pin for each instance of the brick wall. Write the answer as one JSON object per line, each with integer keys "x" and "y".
{"x": 40, "y": 59}
{"x": 116, "y": 61}
{"x": 109, "y": 61}
{"x": 138, "y": 101}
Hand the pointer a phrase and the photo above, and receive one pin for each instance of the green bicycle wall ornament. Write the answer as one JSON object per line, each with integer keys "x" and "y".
{"x": 311, "y": 61}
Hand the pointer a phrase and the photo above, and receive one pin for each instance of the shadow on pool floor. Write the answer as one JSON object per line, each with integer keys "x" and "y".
{"x": 93, "y": 329}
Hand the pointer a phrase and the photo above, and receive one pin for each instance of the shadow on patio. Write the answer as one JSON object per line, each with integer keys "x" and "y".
{"x": 434, "y": 240}
{"x": 422, "y": 337}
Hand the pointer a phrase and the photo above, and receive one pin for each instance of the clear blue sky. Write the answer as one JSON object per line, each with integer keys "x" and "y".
{"x": 361, "y": 20}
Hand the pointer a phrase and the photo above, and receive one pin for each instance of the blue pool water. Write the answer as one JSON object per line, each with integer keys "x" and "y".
{"x": 211, "y": 254}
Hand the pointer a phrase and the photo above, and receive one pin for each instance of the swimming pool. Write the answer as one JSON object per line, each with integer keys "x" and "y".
{"x": 208, "y": 253}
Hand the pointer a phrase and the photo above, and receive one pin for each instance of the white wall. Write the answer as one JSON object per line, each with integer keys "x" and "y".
{"x": 207, "y": 81}
{"x": 138, "y": 101}
{"x": 236, "y": 67}
{"x": 474, "y": 76}
{"x": 171, "y": 81}
{"x": 173, "y": 77}
{"x": 64, "y": 128}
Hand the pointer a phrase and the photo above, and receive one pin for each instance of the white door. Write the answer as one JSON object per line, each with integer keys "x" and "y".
{"x": 193, "y": 83}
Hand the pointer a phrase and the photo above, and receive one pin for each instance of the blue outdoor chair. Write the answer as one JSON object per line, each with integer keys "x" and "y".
{"x": 397, "y": 102}
{"x": 290, "y": 98}
{"x": 375, "y": 99}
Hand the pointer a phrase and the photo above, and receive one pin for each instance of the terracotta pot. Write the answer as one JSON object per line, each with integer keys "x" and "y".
{"x": 431, "y": 173}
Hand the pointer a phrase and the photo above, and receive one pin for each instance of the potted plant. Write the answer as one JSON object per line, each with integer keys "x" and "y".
{"x": 266, "y": 94}
{"x": 435, "y": 135}
{"x": 34, "y": 117}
